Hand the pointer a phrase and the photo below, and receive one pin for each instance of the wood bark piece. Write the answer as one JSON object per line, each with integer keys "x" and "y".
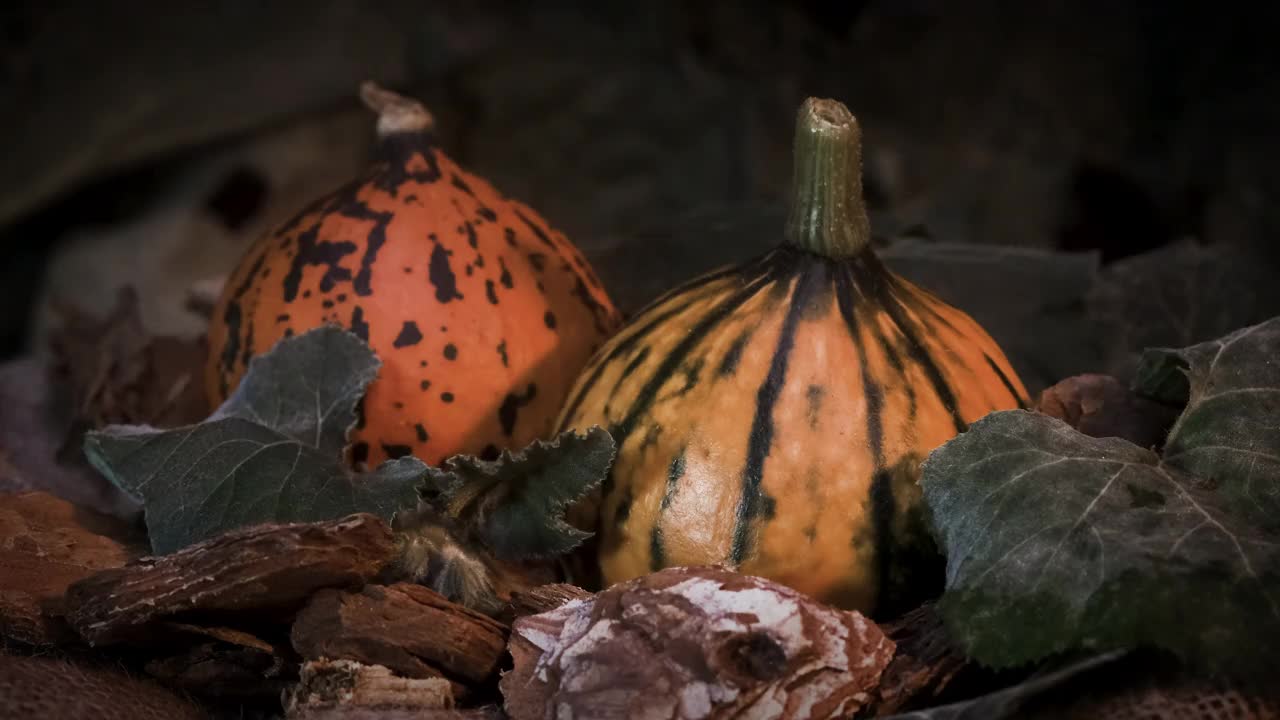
{"x": 345, "y": 685}
{"x": 49, "y": 687}
{"x": 413, "y": 630}
{"x": 924, "y": 662}
{"x": 694, "y": 642}
{"x": 1102, "y": 406}
{"x": 46, "y": 544}
{"x": 224, "y": 664}
{"x": 261, "y": 568}
{"x": 540, "y": 599}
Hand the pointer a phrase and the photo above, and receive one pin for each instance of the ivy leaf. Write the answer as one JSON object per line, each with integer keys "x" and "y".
{"x": 1058, "y": 541}
{"x": 515, "y": 505}
{"x": 271, "y": 453}
{"x": 1229, "y": 432}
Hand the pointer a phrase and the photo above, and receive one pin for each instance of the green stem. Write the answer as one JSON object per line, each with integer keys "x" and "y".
{"x": 827, "y": 214}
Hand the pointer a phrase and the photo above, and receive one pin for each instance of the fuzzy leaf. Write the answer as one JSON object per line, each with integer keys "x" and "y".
{"x": 1229, "y": 432}
{"x": 271, "y": 453}
{"x": 515, "y": 505}
{"x": 1055, "y": 540}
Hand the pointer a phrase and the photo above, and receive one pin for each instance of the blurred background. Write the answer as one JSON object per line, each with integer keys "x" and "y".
{"x": 1086, "y": 178}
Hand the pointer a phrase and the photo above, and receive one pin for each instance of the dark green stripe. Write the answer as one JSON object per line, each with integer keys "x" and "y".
{"x": 1023, "y": 403}
{"x": 657, "y": 551}
{"x": 753, "y": 503}
{"x": 880, "y": 493}
{"x": 875, "y": 282}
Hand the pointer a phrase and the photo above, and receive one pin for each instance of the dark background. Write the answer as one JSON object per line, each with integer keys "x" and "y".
{"x": 1087, "y": 178}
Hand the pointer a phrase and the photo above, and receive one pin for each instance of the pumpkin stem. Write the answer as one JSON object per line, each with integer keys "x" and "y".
{"x": 396, "y": 113}
{"x": 827, "y": 214}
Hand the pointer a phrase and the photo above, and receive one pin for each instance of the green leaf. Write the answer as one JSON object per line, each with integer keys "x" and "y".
{"x": 515, "y": 505}
{"x": 1229, "y": 432}
{"x": 271, "y": 453}
{"x": 1056, "y": 540}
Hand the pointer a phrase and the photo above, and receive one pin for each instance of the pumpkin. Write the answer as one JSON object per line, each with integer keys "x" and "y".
{"x": 772, "y": 416}
{"x": 480, "y": 313}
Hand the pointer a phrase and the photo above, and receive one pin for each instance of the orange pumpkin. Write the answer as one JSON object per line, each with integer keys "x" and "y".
{"x": 481, "y": 314}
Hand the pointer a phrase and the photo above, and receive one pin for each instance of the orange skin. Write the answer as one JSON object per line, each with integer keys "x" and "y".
{"x": 481, "y": 315}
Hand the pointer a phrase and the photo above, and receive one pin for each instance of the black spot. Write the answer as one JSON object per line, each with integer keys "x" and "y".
{"x": 462, "y": 185}
{"x": 306, "y": 293}
{"x": 538, "y": 261}
{"x": 399, "y": 150}
{"x": 502, "y": 353}
{"x": 422, "y": 363}
{"x": 444, "y": 328}
{"x": 425, "y": 384}
{"x": 282, "y": 318}
{"x": 407, "y": 269}
{"x": 442, "y": 277}
{"x": 446, "y": 397}
{"x": 412, "y": 199}
{"x": 314, "y": 251}
{"x": 231, "y": 317}
{"x": 487, "y": 214}
{"x": 409, "y": 335}
{"x": 510, "y": 236}
{"x": 490, "y": 292}
{"x": 471, "y": 234}
{"x": 397, "y": 405}
{"x": 342, "y": 297}
{"x": 360, "y": 452}
{"x": 422, "y": 433}
{"x": 397, "y": 451}
{"x": 450, "y": 351}
{"x": 288, "y": 332}
{"x": 479, "y": 261}
{"x": 538, "y": 232}
{"x": 469, "y": 270}
{"x": 511, "y": 405}
{"x": 814, "y": 396}
{"x": 505, "y": 277}
{"x": 598, "y": 311}
{"x": 358, "y": 325}
{"x": 549, "y": 318}
{"x": 326, "y": 303}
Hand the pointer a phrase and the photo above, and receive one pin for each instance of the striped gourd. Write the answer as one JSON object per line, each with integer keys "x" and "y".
{"x": 772, "y": 416}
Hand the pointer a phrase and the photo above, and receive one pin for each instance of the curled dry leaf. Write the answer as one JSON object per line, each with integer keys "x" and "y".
{"x": 696, "y": 642}
{"x": 34, "y": 417}
{"x": 412, "y": 630}
{"x": 260, "y": 568}
{"x": 46, "y": 544}
{"x": 49, "y": 687}
{"x": 345, "y": 685}
{"x": 1102, "y": 406}
{"x": 120, "y": 373}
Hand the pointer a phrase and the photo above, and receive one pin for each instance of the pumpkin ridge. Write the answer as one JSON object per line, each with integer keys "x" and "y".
{"x": 753, "y": 502}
